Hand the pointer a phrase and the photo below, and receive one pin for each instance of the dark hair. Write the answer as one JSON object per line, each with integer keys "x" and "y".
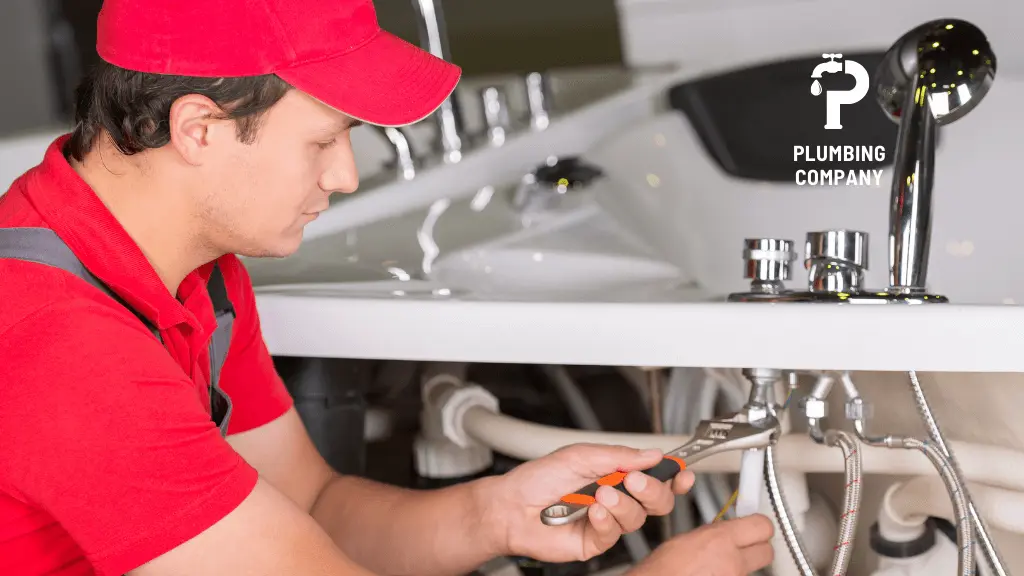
{"x": 134, "y": 107}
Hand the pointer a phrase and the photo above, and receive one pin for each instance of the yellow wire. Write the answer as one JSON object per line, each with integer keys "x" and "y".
{"x": 732, "y": 500}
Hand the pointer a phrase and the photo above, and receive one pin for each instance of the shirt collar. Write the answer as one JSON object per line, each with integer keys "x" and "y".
{"x": 76, "y": 214}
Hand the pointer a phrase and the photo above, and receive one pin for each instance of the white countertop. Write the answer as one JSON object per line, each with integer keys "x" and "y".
{"x": 934, "y": 338}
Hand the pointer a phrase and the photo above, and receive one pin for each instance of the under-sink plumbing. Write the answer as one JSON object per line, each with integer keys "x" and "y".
{"x": 930, "y": 77}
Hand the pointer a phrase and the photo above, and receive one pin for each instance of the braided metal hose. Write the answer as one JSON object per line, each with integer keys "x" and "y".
{"x": 851, "y": 499}
{"x": 965, "y": 553}
{"x": 988, "y": 548}
{"x": 778, "y": 501}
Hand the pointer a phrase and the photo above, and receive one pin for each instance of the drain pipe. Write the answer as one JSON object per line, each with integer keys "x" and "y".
{"x": 524, "y": 440}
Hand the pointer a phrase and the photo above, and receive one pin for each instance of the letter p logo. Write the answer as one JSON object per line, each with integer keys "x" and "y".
{"x": 836, "y": 98}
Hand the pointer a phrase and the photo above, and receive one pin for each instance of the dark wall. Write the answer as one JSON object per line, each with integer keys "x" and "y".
{"x": 486, "y": 36}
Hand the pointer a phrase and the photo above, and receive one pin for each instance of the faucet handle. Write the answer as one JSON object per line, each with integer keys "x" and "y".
{"x": 836, "y": 260}
{"x": 767, "y": 260}
{"x": 848, "y": 246}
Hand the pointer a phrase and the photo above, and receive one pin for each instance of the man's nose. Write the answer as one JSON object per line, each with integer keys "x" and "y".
{"x": 341, "y": 175}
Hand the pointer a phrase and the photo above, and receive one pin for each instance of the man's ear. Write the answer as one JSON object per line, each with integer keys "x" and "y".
{"x": 195, "y": 123}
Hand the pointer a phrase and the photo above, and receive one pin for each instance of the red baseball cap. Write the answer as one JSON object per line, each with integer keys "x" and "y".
{"x": 333, "y": 50}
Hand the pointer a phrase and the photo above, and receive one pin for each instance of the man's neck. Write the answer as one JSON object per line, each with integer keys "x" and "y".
{"x": 152, "y": 206}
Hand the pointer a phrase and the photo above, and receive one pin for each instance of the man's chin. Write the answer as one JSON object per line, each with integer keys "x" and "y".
{"x": 282, "y": 249}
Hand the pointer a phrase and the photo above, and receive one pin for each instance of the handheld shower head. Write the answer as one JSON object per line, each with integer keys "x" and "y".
{"x": 948, "y": 62}
{"x": 933, "y": 75}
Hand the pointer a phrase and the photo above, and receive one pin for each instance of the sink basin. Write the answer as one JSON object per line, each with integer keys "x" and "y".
{"x": 475, "y": 246}
{"x": 518, "y": 270}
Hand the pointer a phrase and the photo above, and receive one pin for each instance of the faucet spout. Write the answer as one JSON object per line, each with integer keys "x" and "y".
{"x": 830, "y": 67}
{"x": 434, "y": 39}
{"x": 404, "y": 161}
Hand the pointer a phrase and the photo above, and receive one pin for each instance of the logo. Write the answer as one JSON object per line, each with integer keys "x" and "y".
{"x": 838, "y": 162}
{"x": 836, "y": 98}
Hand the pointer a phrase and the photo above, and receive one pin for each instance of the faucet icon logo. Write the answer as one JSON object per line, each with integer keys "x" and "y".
{"x": 836, "y": 98}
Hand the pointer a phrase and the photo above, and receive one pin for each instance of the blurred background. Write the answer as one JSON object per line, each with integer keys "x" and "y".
{"x": 46, "y": 45}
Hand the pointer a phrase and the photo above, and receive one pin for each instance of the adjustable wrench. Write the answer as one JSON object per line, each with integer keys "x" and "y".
{"x": 711, "y": 437}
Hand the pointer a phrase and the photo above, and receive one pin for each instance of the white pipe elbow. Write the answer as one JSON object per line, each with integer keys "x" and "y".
{"x": 907, "y": 505}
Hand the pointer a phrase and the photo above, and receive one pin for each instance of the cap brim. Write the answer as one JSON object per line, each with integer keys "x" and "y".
{"x": 387, "y": 81}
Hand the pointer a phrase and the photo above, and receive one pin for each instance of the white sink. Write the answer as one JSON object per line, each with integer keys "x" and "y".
{"x": 500, "y": 272}
{"x": 476, "y": 246}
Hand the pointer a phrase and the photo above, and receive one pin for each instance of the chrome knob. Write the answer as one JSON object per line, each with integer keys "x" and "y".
{"x": 846, "y": 246}
{"x": 496, "y": 115}
{"x": 767, "y": 262}
{"x": 951, "y": 63}
{"x": 836, "y": 260}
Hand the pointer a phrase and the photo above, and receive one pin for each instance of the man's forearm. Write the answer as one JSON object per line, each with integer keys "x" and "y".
{"x": 399, "y": 532}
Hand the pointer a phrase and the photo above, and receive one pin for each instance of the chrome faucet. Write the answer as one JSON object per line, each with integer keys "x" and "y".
{"x": 434, "y": 38}
{"x": 404, "y": 162}
{"x": 932, "y": 76}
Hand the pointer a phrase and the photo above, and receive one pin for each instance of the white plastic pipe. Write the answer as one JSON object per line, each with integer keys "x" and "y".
{"x": 909, "y": 504}
{"x": 989, "y": 465}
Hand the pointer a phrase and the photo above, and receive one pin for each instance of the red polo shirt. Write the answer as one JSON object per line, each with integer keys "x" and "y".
{"x": 108, "y": 455}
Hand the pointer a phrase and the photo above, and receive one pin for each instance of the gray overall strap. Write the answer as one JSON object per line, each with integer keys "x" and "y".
{"x": 219, "y": 343}
{"x": 43, "y": 246}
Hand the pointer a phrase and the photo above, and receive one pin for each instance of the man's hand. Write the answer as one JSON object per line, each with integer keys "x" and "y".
{"x": 517, "y": 498}
{"x": 727, "y": 548}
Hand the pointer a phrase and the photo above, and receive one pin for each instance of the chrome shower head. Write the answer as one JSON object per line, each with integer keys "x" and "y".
{"x": 947, "y": 61}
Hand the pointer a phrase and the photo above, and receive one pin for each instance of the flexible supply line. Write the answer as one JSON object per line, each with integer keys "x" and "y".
{"x": 851, "y": 498}
{"x": 853, "y": 465}
{"x": 965, "y": 554}
{"x": 856, "y": 410}
{"x": 524, "y": 440}
{"x": 789, "y": 532}
{"x": 988, "y": 548}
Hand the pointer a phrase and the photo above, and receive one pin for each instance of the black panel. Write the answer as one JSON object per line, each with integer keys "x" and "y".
{"x": 750, "y": 119}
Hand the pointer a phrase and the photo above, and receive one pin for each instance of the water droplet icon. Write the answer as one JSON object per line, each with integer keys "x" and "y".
{"x": 816, "y": 88}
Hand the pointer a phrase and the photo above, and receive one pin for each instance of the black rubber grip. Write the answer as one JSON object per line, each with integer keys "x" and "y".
{"x": 664, "y": 471}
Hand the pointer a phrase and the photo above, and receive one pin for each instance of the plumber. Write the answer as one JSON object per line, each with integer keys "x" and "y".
{"x": 144, "y": 429}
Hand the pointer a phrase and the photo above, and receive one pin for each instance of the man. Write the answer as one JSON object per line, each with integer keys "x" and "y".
{"x": 215, "y": 129}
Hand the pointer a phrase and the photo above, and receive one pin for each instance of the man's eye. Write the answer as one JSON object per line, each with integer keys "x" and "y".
{"x": 326, "y": 145}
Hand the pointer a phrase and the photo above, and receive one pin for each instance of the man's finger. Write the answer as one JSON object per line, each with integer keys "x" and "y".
{"x": 626, "y": 511}
{"x": 655, "y": 496}
{"x": 596, "y": 460}
{"x": 604, "y": 529}
{"x": 683, "y": 482}
{"x": 757, "y": 557}
{"x": 748, "y": 531}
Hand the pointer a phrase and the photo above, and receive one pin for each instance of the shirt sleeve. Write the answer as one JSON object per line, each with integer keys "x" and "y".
{"x": 111, "y": 440}
{"x": 258, "y": 395}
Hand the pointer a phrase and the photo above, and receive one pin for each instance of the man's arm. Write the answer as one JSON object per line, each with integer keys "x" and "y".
{"x": 387, "y": 529}
{"x": 128, "y": 462}
{"x": 266, "y": 535}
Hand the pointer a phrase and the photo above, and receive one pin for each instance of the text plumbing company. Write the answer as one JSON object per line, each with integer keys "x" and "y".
{"x": 834, "y": 99}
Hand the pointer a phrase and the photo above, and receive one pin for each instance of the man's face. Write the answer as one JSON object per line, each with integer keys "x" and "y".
{"x": 258, "y": 197}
